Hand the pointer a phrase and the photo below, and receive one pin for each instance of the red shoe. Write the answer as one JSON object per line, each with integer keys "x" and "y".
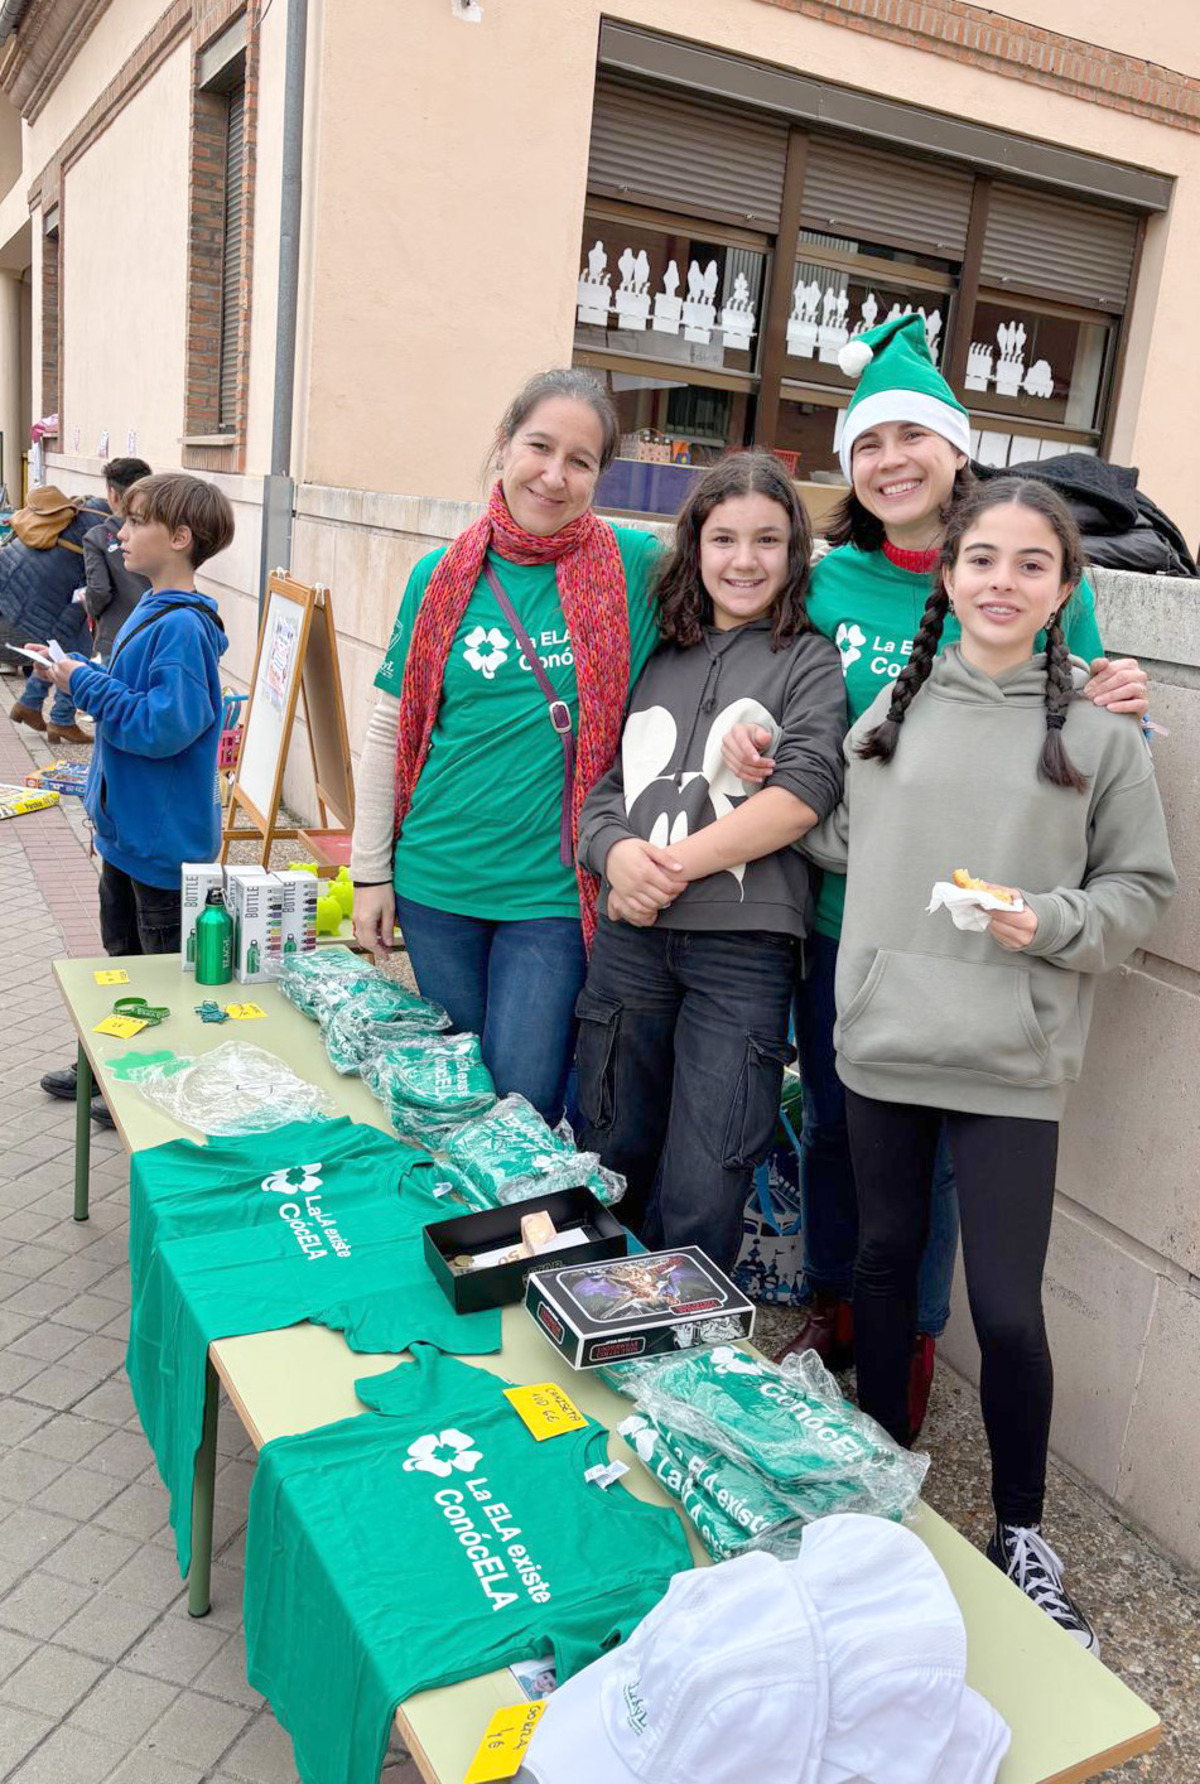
{"x": 828, "y": 1329}
{"x": 920, "y": 1380}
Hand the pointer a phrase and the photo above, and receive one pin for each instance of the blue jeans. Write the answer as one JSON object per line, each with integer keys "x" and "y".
{"x": 828, "y": 1199}
{"x": 682, "y": 1045}
{"x": 512, "y": 984}
{"x": 71, "y": 631}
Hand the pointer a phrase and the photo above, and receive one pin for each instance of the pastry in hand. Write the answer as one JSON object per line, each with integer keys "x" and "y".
{"x": 969, "y": 883}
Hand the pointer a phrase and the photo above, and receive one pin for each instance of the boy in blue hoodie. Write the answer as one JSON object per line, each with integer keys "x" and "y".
{"x": 152, "y": 789}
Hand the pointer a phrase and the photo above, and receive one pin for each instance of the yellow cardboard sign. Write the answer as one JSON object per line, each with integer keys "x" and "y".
{"x": 124, "y": 1027}
{"x": 243, "y": 1012}
{"x": 112, "y": 976}
{"x": 545, "y": 1409}
{"x": 501, "y": 1750}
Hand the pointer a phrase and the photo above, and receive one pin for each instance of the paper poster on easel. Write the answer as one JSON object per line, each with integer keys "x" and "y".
{"x": 296, "y": 659}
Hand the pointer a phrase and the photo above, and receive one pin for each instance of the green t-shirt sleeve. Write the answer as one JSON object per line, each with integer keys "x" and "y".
{"x": 642, "y": 555}
{"x": 390, "y": 678}
{"x": 1079, "y": 627}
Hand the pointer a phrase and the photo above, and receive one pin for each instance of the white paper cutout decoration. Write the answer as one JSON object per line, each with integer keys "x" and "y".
{"x": 1039, "y": 379}
{"x": 802, "y": 323}
{"x": 979, "y": 365}
{"x": 102, "y": 444}
{"x": 668, "y": 306}
{"x": 700, "y": 309}
{"x": 592, "y": 294}
{"x": 737, "y": 317}
{"x": 870, "y": 309}
{"x": 1010, "y": 367}
{"x": 833, "y": 334}
{"x": 933, "y": 328}
{"x": 631, "y": 300}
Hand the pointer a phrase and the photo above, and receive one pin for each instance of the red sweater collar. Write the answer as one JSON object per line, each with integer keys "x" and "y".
{"x": 920, "y": 563}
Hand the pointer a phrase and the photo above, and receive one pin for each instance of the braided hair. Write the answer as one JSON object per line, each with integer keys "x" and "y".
{"x": 1054, "y": 764}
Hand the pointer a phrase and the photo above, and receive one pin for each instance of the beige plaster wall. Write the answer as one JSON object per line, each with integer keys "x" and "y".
{"x": 1167, "y": 32}
{"x": 119, "y": 30}
{"x": 125, "y": 276}
{"x": 455, "y": 241}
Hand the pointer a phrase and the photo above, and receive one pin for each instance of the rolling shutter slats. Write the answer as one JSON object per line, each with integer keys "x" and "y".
{"x": 865, "y": 196}
{"x": 1071, "y": 251}
{"x": 232, "y": 262}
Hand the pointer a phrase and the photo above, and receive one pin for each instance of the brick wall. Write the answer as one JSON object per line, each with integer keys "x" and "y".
{"x": 51, "y": 326}
{"x": 1007, "y": 46}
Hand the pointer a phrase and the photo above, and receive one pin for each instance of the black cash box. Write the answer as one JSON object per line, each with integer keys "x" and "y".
{"x": 501, "y": 1285}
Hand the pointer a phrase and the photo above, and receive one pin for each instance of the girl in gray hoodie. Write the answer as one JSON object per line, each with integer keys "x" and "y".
{"x": 985, "y": 758}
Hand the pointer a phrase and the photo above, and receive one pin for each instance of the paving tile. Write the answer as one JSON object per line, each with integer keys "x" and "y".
{"x": 46, "y": 1341}
{"x": 52, "y": 1681}
{"x": 104, "y": 1356}
{"x": 112, "y": 1402}
{"x": 150, "y": 1577}
{"x": 18, "y": 1422}
{"x": 40, "y": 1299}
{"x": 91, "y": 1556}
{"x": 70, "y": 1756}
{"x": 14, "y": 1651}
{"x": 88, "y": 1312}
{"x": 59, "y": 1386}
{"x": 19, "y": 1733}
{"x": 176, "y": 1649}
{"x": 146, "y": 1766}
{"x": 196, "y": 1729}
{"x": 123, "y": 1706}
{"x": 40, "y": 1604}
{"x": 138, "y": 1510}
{"x": 123, "y": 1454}
{"x": 24, "y": 1474}
{"x": 30, "y": 1535}
{"x": 225, "y": 1676}
{"x": 263, "y": 1755}
{"x": 67, "y": 1437}
{"x": 107, "y": 1627}
{"x": 80, "y": 1492}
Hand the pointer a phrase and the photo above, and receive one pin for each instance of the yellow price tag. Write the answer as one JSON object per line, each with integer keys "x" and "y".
{"x": 243, "y": 1012}
{"x": 112, "y": 976}
{"x": 124, "y": 1027}
{"x": 545, "y": 1409}
{"x": 501, "y": 1750}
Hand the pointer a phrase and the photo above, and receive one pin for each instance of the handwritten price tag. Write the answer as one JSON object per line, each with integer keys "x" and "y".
{"x": 545, "y": 1409}
{"x": 243, "y": 1012}
{"x": 124, "y": 1027}
{"x": 508, "y": 1736}
{"x": 112, "y": 976}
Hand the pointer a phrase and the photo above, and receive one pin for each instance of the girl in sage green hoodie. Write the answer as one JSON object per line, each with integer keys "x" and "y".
{"x": 984, "y": 758}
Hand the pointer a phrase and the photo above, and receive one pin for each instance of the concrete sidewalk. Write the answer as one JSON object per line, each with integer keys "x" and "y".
{"x": 104, "y": 1679}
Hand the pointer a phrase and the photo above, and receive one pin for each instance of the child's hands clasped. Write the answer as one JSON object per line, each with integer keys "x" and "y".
{"x": 1013, "y": 930}
{"x": 645, "y": 879}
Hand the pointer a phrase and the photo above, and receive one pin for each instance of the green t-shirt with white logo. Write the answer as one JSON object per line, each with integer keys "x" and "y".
{"x": 432, "y": 1540}
{"x": 481, "y": 838}
{"x": 872, "y": 609}
{"x": 317, "y": 1221}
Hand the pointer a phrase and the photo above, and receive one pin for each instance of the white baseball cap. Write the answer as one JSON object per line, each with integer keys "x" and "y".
{"x": 844, "y": 1665}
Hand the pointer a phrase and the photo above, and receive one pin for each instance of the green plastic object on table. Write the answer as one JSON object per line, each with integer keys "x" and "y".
{"x": 430, "y": 1084}
{"x": 210, "y": 1011}
{"x": 130, "y": 1064}
{"x": 140, "y": 1011}
{"x": 214, "y": 941}
{"x": 511, "y": 1154}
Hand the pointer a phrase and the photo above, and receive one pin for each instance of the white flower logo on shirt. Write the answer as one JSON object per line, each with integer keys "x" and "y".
{"x": 731, "y": 1362}
{"x": 442, "y": 1454}
{"x": 496, "y": 654}
{"x": 297, "y": 1180}
{"x": 850, "y": 640}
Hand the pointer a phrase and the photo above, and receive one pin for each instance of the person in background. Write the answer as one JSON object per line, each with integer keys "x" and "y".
{"x": 41, "y": 572}
{"x": 471, "y": 782}
{"x": 984, "y": 754}
{"x": 113, "y": 591}
{"x": 904, "y": 451}
{"x": 704, "y": 903}
{"x": 152, "y": 789}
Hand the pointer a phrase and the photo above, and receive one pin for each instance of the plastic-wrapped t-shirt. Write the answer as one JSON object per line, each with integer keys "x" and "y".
{"x": 731, "y": 1506}
{"x": 788, "y": 1426}
{"x": 376, "y": 1012}
{"x": 430, "y": 1084}
{"x": 511, "y": 1154}
{"x": 305, "y": 979}
{"x": 238, "y": 1088}
{"x": 289, "y": 1229}
{"x": 429, "y": 1540}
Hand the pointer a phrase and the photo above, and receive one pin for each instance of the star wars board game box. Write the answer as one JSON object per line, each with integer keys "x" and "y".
{"x": 480, "y": 1260}
{"x": 645, "y": 1305}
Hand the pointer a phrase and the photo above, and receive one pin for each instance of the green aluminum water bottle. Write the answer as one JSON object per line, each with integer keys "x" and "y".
{"x": 214, "y": 942}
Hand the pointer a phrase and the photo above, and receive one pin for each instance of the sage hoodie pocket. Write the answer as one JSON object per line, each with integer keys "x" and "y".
{"x": 940, "y": 1014}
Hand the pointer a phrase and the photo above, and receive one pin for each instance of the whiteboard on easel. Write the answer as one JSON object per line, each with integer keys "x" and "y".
{"x": 272, "y": 703}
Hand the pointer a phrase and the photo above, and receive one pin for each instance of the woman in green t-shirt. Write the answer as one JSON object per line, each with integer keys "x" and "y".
{"x": 905, "y": 452}
{"x": 502, "y": 696}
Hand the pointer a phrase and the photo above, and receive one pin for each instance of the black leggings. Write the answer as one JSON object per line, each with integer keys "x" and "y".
{"x": 1005, "y": 1170}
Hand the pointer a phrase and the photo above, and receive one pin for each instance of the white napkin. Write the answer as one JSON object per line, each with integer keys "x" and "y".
{"x": 970, "y": 910}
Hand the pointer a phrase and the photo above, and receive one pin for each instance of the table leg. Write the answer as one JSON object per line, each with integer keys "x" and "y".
{"x": 83, "y": 1132}
{"x": 203, "y": 1493}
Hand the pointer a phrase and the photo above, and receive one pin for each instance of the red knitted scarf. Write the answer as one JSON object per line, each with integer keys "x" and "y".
{"x": 591, "y": 588}
{"x": 921, "y": 563}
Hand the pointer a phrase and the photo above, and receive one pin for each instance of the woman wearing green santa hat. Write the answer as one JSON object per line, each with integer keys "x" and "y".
{"x": 905, "y": 449}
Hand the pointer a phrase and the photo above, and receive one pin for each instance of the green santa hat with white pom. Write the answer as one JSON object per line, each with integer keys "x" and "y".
{"x": 898, "y": 381}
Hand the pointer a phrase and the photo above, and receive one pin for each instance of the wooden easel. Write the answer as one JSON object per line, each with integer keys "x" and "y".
{"x": 296, "y": 657}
